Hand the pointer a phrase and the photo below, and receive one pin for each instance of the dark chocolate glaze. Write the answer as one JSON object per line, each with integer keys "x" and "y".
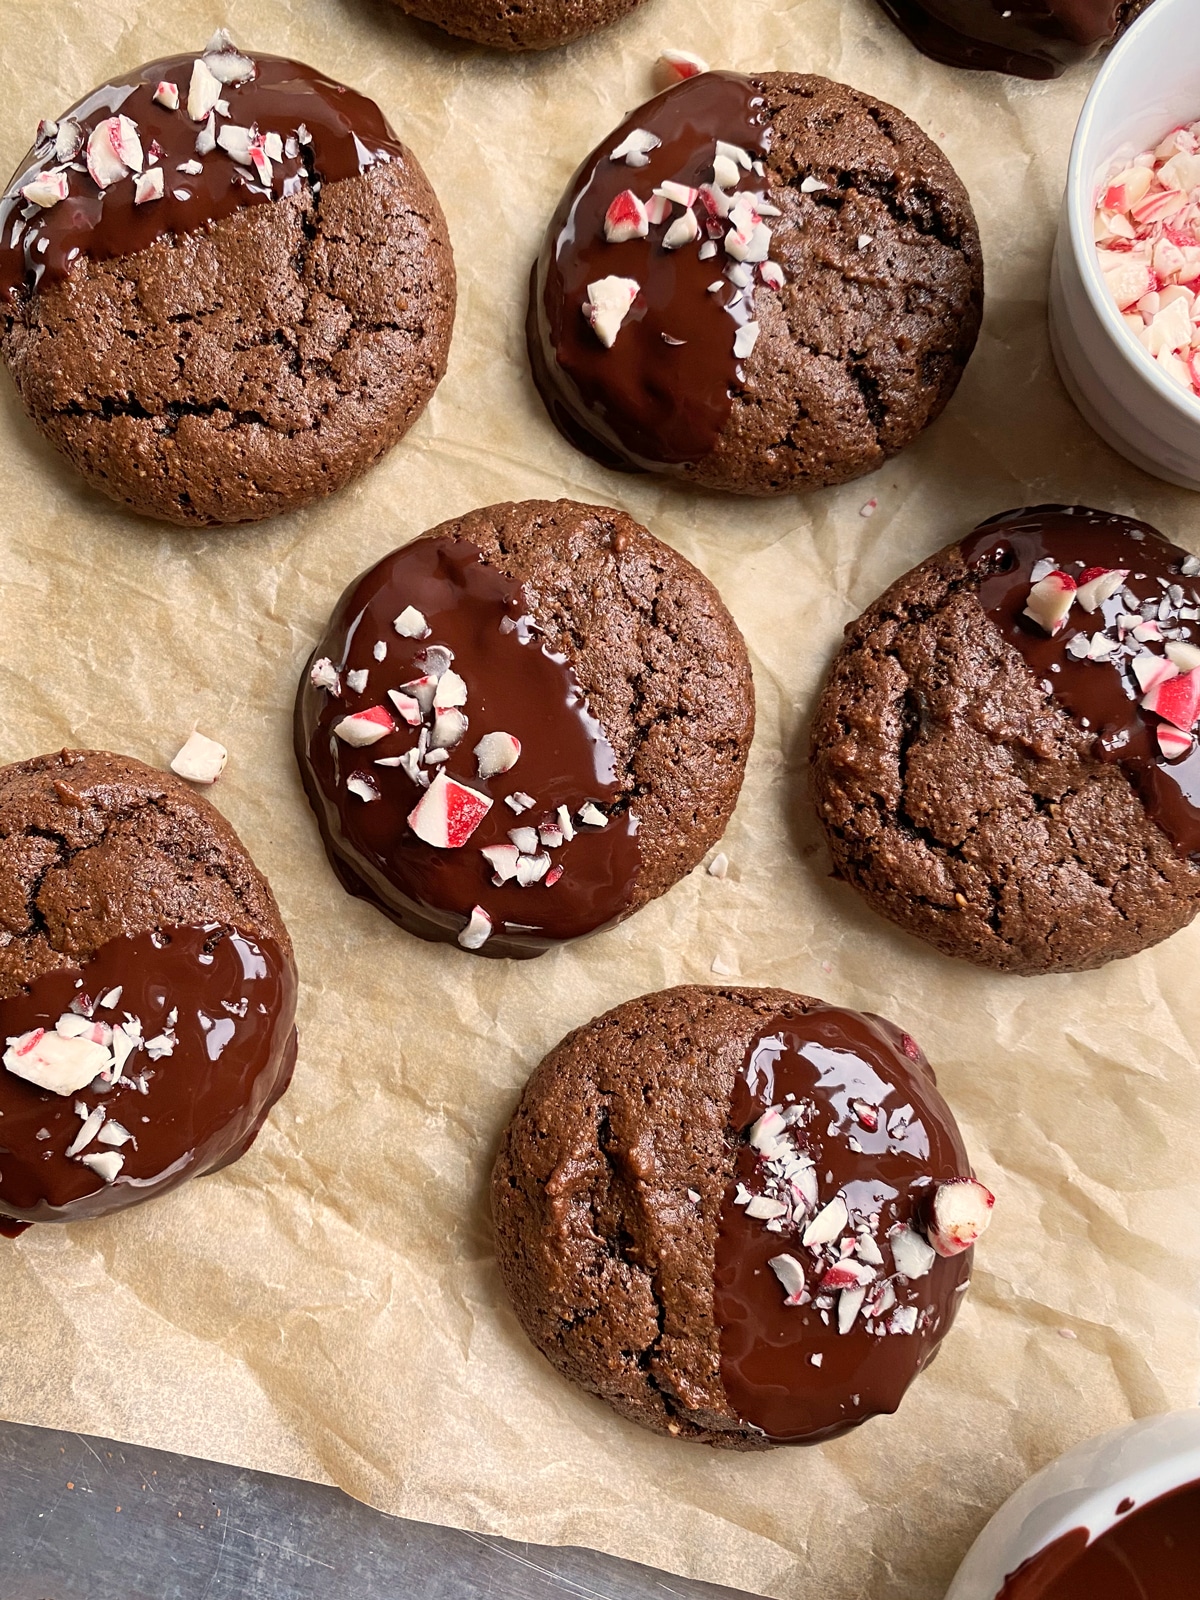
{"x": 514, "y": 686}
{"x": 830, "y": 1058}
{"x": 349, "y": 135}
{"x": 644, "y": 404}
{"x": 203, "y": 1104}
{"x": 1154, "y": 1554}
{"x": 1028, "y": 38}
{"x": 1101, "y": 696}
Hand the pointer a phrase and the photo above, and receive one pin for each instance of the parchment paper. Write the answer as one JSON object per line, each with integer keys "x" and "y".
{"x": 329, "y": 1307}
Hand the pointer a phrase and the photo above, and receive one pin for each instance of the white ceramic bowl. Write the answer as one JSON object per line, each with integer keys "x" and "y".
{"x": 1082, "y": 1490}
{"x": 1149, "y": 85}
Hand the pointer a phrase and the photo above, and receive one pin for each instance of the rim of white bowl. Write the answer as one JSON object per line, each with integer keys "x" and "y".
{"x": 1081, "y": 203}
{"x": 1097, "y": 1512}
{"x": 1090, "y": 1504}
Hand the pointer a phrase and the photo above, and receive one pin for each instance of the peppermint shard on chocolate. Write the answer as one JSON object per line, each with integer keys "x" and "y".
{"x": 147, "y": 1008}
{"x": 1005, "y": 754}
{"x": 763, "y": 284}
{"x": 225, "y": 286}
{"x": 740, "y": 1217}
{"x": 523, "y": 726}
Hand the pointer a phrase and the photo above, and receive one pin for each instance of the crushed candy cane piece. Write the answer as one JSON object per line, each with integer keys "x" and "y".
{"x": 365, "y": 728}
{"x": 200, "y": 760}
{"x": 626, "y": 218}
{"x": 676, "y": 66}
{"x": 448, "y": 813}
{"x": 609, "y": 302}
{"x": 54, "y": 1062}
{"x": 962, "y": 1210}
{"x": 477, "y": 931}
{"x": 1050, "y": 599}
{"x": 635, "y": 149}
{"x": 411, "y": 624}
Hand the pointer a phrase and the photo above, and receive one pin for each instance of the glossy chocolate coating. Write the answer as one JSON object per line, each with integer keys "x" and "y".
{"x": 1152, "y": 1554}
{"x": 349, "y": 135}
{"x": 829, "y": 1058}
{"x": 514, "y": 686}
{"x": 1101, "y": 696}
{"x": 645, "y": 404}
{"x": 1028, "y": 38}
{"x": 203, "y": 1104}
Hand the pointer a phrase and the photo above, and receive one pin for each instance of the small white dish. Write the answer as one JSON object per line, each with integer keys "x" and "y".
{"x": 1149, "y": 85}
{"x": 1082, "y": 1489}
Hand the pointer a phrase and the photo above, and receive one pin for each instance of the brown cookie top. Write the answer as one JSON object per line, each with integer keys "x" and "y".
{"x": 999, "y": 758}
{"x": 765, "y": 284}
{"x": 713, "y": 1210}
{"x": 256, "y": 336}
{"x": 524, "y": 725}
{"x": 147, "y": 987}
{"x": 1029, "y": 38}
{"x": 531, "y": 25}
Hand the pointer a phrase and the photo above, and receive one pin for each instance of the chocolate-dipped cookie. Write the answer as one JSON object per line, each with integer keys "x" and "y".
{"x": 739, "y": 1216}
{"x": 523, "y": 726}
{"x": 1029, "y": 38}
{"x": 147, "y": 988}
{"x": 1004, "y": 757}
{"x": 529, "y": 25}
{"x": 763, "y": 284}
{"x": 225, "y": 287}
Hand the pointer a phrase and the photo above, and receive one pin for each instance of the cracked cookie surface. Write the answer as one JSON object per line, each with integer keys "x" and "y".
{"x": 95, "y": 846}
{"x": 247, "y": 368}
{"x": 967, "y": 805}
{"x": 616, "y": 1203}
{"x": 661, "y": 660}
{"x": 607, "y": 1262}
{"x": 866, "y": 314}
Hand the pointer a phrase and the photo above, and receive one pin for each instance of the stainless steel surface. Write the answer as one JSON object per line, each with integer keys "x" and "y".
{"x": 89, "y": 1519}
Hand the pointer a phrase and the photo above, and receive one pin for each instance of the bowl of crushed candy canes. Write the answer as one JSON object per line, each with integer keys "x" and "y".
{"x": 1125, "y": 284}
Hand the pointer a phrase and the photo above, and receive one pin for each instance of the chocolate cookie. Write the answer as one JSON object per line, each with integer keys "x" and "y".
{"x": 762, "y": 284}
{"x": 147, "y": 988}
{"x": 1004, "y": 757}
{"x": 523, "y": 726}
{"x": 1029, "y": 38}
{"x": 519, "y": 24}
{"x": 739, "y": 1216}
{"x": 225, "y": 287}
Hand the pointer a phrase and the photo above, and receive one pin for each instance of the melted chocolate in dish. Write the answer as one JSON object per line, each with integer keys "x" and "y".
{"x": 174, "y": 147}
{"x": 431, "y": 679}
{"x": 1028, "y": 38}
{"x": 1102, "y": 663}
{"x": 1152, "y": 1554}
{"x": 658, "y": 395}
{"x": 828, "y": 1298}
{"x": 156, "y": 1060}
